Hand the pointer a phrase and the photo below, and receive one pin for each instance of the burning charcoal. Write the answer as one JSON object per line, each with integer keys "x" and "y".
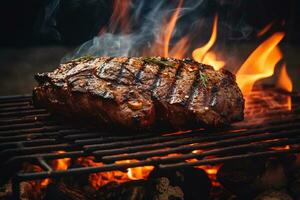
{"x": 5, "y": 191}
{"x": 164, "y": 191}
{"x": 132, "y": 190}
{"x": 250, "y": 177}
{"x": 63, "y": 191}
{"x": 154, "y": 189}
{"x": 273, "y": 195}
{"x": 273, "y": 176}
{"x": 28, "y": 191}
{"x": 193, "y": 182}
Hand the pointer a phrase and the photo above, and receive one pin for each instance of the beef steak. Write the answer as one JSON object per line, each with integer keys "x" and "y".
{"x": 138, "y": 93}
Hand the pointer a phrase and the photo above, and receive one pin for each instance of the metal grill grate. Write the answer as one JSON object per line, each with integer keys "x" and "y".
{"x": 34, "y": 136}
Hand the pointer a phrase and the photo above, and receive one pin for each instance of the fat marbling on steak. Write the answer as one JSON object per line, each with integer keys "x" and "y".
{"x": 139, "y": 93}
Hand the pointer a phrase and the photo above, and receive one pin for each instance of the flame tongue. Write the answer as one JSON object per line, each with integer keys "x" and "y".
{"x": 284, "y": 82}
{"x": 198, "y": 54}
{"x": 205, "y": 56}
{"x": 162, "y": 42}
{"x": 120, "y": 16}
{"x": 260, "y": 64}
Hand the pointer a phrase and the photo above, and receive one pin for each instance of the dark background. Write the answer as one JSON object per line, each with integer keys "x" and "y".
{"x": 36, "y": 34}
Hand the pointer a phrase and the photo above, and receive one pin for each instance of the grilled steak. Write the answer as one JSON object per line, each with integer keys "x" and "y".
{"x": 141, "y": 92}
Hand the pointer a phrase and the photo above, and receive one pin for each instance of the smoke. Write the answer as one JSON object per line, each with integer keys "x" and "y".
{"x": 136, "y": 25}
{"x": 46, "y": 21}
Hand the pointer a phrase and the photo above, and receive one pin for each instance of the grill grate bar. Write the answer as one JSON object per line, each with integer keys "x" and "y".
{"x": 26, "y": 119}
{"x": 15, "y": 99}
{"x": 44, "y": 165}
{"x": 22, "y": 113}
{"x": 4, "y": 106}
{"x": 177, "y": 142}
{"x": 213, "y": 161}
{"x": 150, "y": 162}
{"x": 17, "y": 108}
{"x": 207, "y": 135}
{"x": 255, "y": 146}
{"x": 33, "y": 135}
{"x": 208, "y": 145}
{"x": 16, "y": 127}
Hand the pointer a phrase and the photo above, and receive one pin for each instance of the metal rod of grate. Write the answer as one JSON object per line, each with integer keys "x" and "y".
{"x": 34, "y": 136}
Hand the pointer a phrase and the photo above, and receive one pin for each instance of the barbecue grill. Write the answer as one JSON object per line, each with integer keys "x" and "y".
{"x": 28, "y": 134}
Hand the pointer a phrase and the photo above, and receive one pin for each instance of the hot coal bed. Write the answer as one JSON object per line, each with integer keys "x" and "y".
{"x": 43, "y": 157}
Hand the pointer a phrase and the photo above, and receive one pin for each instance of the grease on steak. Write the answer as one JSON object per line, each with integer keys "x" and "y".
{"x": 139, "y": 93}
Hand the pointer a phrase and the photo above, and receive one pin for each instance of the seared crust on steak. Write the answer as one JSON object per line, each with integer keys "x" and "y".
{"x": 139, "y": 93}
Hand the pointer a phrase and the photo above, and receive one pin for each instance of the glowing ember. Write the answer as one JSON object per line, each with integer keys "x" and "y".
{"x": 286, "y": 147}
{"x": 45, "y": 182}
{"x": 100, "y": 179}
{"x": 61, "y": 164}
{"x": 260, "y": 64}
{"x": 205, "y": 56}
{"x": 57, "y": 164}
{"x": 284, "y": 82}
{"x": 211, "y": 171}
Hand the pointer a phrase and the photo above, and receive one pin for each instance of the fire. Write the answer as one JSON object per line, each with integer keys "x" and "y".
{"x": 120, "y": 16}
{"x": 260, "y": 64}
{"x": 57, "y": 164}
{"x": 180, "y": 48}
{"x": 265, "y": 29}
{"x": 286, "y": 147}
{"x": 161, "y": 44}
{"x": 45, "y": 182}
{"x": 61, "y": 164}
{"x": 205, "y": 56}
{"x": 211, "y": 170}
{"x": 169, "y": 29}
{"x": 284, "y": 82}
{"x": 100, "y": 179}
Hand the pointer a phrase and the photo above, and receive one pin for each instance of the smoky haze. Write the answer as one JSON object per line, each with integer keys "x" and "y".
{"x": 146, "y": 23}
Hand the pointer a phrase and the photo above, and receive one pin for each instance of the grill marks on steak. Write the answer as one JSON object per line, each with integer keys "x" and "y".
{"x": 135, "y": 94}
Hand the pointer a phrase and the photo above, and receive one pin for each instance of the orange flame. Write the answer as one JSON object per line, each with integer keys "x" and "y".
{"x": 210, "y": 58}
{"x": 169, "y": 29}
{"x": 62, "y": 163}
{"x": 284, "y": 82}
{"x": 137, "y": 173}
{"x": 100, "y": 179}
{"x": 260, "y": 64}
{"x": 119, "y": 17}
{"x": 162, "y": 42}
{"x": 180, "y": 49}
{"x": 45, "y": 182}
{"x": 286, "y": 147}
{"x": 58, "y": 164}
{"x": 211, "y": 170}
{"x": 205, "y": 56}
{"x": 265, "y": 29}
